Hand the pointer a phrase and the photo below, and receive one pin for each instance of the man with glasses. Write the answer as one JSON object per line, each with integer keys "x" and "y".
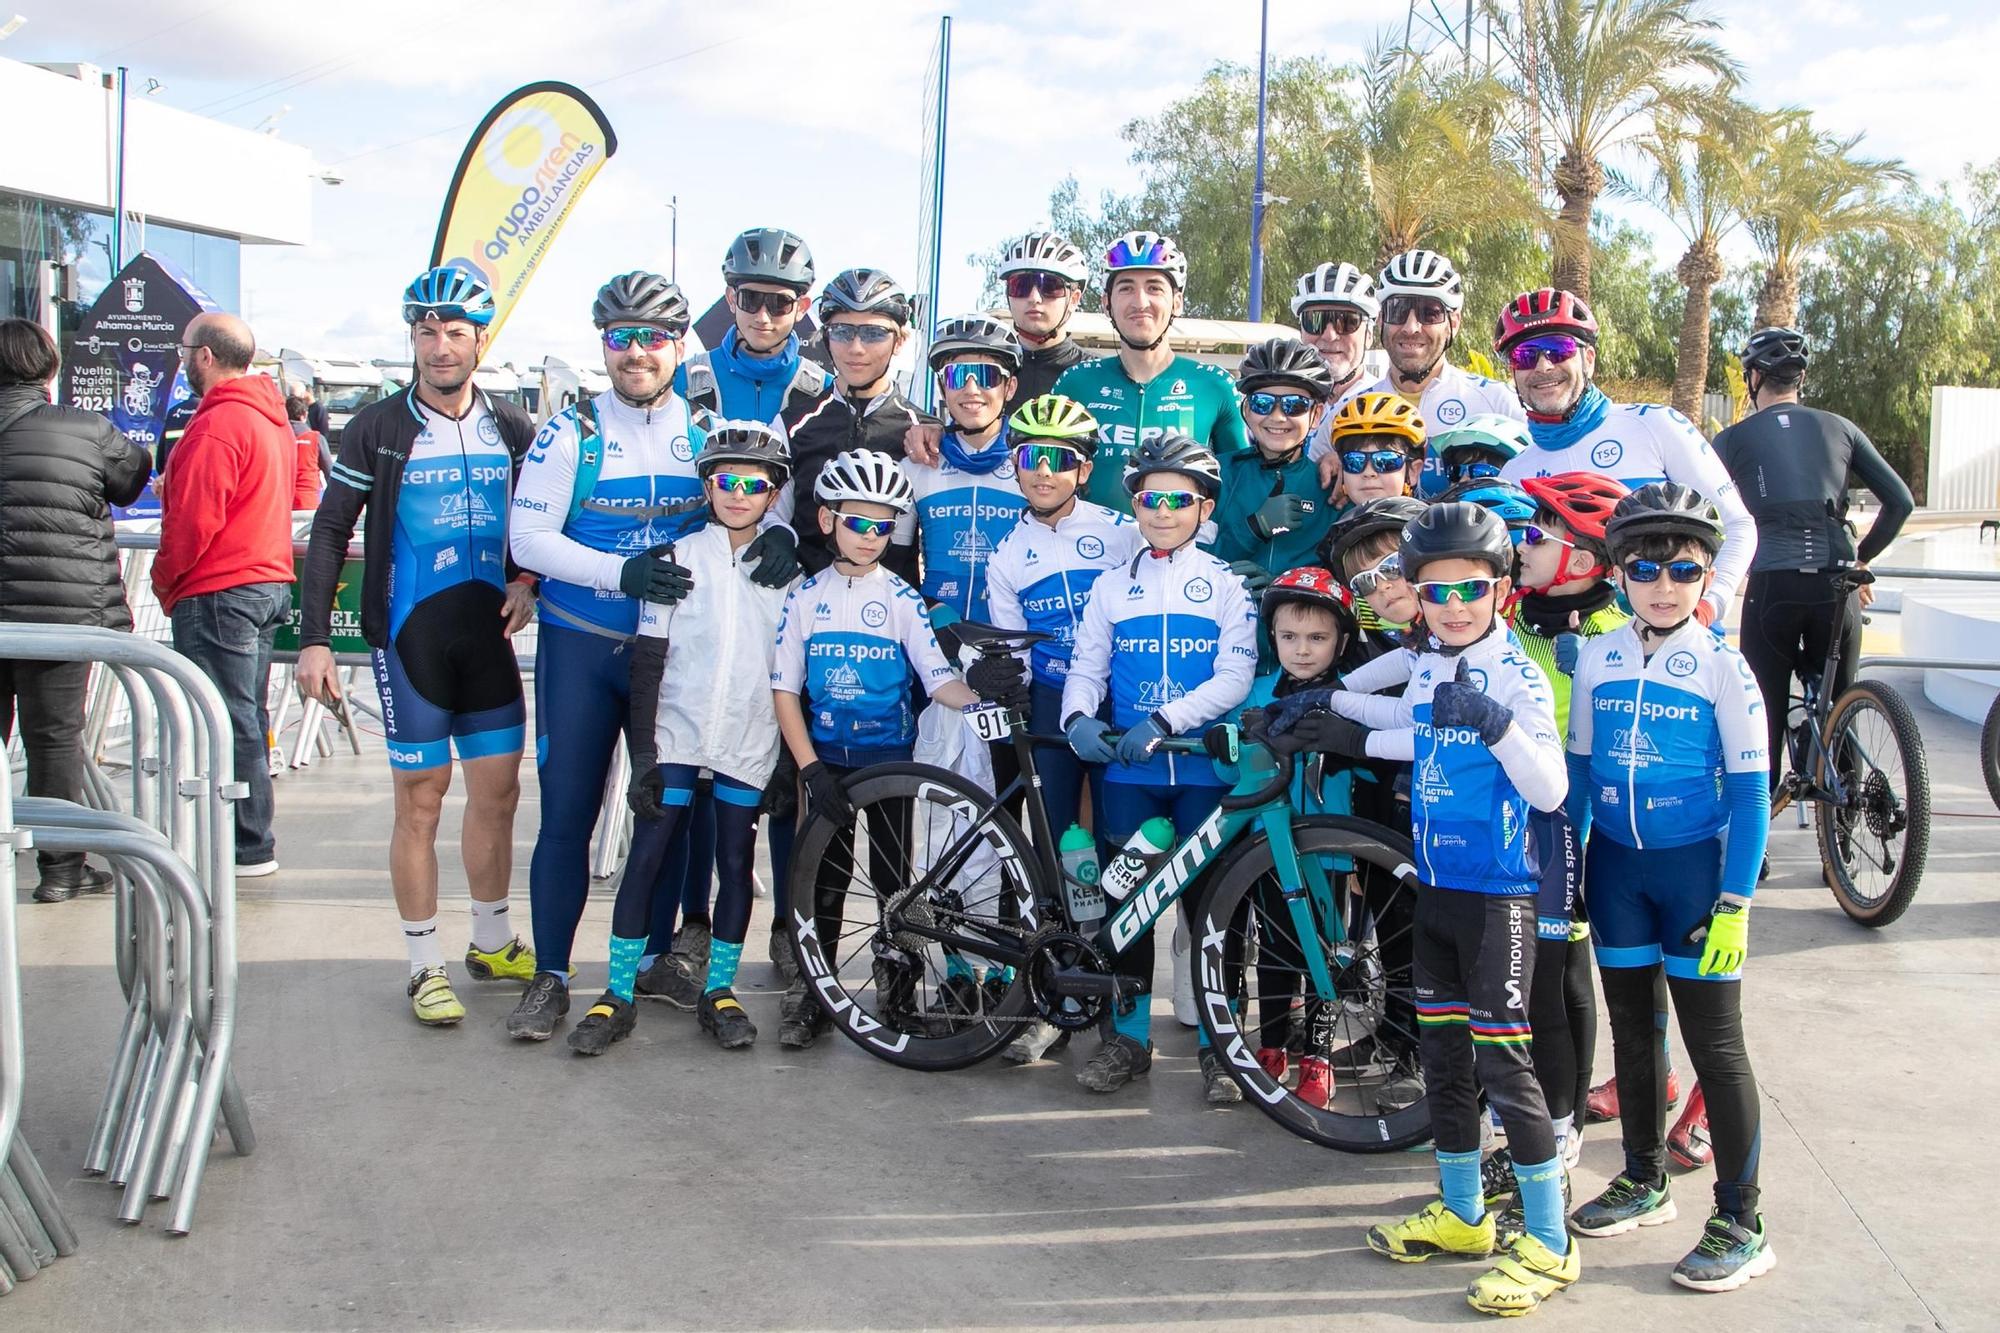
{"x": 1043, "y": 275}
{"x": 1549, "y": 340}
{"x": 757, "y": 374}
{"x": 1146, "y": 391}
{"x": 1336, "y": 309}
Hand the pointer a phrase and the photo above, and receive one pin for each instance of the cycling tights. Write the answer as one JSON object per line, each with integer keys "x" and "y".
{"x": 644, "y": 894}
{"x": 689, "y": 871}
{"x": 1127, "y": 805}
{"x": 1789, "y": 620}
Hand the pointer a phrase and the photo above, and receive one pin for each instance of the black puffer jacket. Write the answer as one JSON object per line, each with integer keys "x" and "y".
{"x": 61, "y": 470}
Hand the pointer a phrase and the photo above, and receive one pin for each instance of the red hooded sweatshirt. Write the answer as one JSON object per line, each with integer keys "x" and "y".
{"x": 228, "y": 495}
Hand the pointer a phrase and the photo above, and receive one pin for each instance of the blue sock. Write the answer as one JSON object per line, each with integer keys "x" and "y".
{"x": 1138, "y": 1025}
{"x": 955, "y": 966}
{"x": 624, "y": 965}
{"x": 722, "y": 959}
{"x": 1542, "y": 1202}
{"x": 1458, "y": 1182}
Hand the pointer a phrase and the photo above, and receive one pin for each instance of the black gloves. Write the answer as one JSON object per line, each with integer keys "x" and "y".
{"x": 826, "y": 794}
{"x": 654, "y": 577}
{"x": 1280, "y": 513}
{"x": 776, "y": 553}
{"x": 1324, "y": 733}
{"x": 1000, "y": 678}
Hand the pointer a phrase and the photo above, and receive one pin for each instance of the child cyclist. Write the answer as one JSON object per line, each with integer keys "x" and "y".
{"x": 1476, "y": 449}
{"x": 1668, "y": 774}
{"x": 851, "y": 639}
{"x": 1364, "y": 549}
{"x": 1478, "y": 723}
{"x": 1378, "y": 439}
{"x": 1273, "y": 514}
{"x": 700, "y": 700}
{"x": 1170, "y": 637}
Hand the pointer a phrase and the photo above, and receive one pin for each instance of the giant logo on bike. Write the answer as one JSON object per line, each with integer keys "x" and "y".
{"x": 1681, "y": 664}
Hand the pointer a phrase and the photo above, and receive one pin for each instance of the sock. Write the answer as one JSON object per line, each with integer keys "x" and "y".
{"x": 1458, "y": 1182}
{"x": 722, "y": 959}
{"x": 956, "y": 967}
{"x": 1138, "y": 1024}
{"x": 1542, "y": 1202}
{"x": 426, "y": 950}
{"x": 491, "y": 930}
{"x": 624, "y": 965}
{"x": 1565, "y": 1125}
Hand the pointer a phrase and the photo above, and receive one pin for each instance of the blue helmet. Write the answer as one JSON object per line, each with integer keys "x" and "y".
{"x": 1512, "y": 505}
{"x": 446, "y": 292}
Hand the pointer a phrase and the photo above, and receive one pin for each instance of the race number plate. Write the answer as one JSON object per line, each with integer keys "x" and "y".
{"x": 990, "y": 721}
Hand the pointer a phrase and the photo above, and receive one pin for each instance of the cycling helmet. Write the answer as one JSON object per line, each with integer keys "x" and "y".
{"x": 641, "y": 298}
{"x": 864, "y": 291}
{"x": 1054, "y": 417}
{"x": 1145, "y": 252}
{"x": 1379, "y": 414}
{"x": 1392, "y": 513}
{"x": 1514, "y": 505}
{"x": 1582, "y": 500}
{"x": 1422, "y": 273}
{"x": 1667, "y": 509}
{"x": 1174, "y": 453}
{"x": 1284, "y": 361}
{"x": 1489, "y": 431}
{"x": 866, "y": 477}
{"x": 769, "y": 254}
{"x": 1545, "y": 310}
{"x": 975, "y": 333}
{"x": 1310, "y": 585}
{"x": 745, "y": 442}
{"x": 1456, "y": 530}
{"x": 446, "y": 293}
{"x": 1776, "y": 351}
{"x": 1045, "y": 252}
{"x": 1336, "y": 284}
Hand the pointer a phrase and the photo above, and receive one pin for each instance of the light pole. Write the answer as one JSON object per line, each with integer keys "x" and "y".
{"x": 674, "y": 238}
{"x": 1258, "y": 198}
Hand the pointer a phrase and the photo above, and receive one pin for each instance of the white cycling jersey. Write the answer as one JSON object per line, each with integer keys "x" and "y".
{"x": 1447, "y": 400}
{"x": 1040, "y": 577}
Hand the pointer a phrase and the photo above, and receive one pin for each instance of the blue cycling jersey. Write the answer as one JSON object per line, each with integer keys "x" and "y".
{"x": 730, "y": 383}
{"x": 1040, "y": 577}
{"x": 962, "y": 515}
{"x": 451, "y": 513}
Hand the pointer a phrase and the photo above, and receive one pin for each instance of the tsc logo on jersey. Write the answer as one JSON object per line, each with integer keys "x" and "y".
{"x": 1476, "y": 679}
{"x": 1199, "y": 590}
{"x": 1681, "y": 664}
{"x": 1450, "y": 412}
{"x": 489, "y": 430}
{"x": 1087, "y": 546}
{"x": 682, "y": 448}
{"x": 1606, "y": 453}
{"x": 875, "y": 615}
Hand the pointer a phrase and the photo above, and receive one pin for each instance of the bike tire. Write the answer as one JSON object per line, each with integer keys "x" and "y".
{"x": 1989, "y": 750}
{"x": 856, "y": 1004}
{"x": 1234, "y": 896}
{"x": 1875, "y": 806}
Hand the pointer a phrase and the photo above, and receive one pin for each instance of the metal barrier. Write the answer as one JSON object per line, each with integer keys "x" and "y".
{"x": 174, "y": 939}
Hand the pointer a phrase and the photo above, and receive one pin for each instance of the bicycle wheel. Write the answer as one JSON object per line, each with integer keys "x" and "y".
{"x": 1989, "y": 750}
{"x": 1874, "y": 846}
{"x": 1252, "y": 980}
{"x": 854, "y": 889}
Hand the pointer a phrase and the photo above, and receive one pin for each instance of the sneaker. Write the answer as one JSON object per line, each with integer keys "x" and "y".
{"x": 1315, "y": 1082}
{"x": 1625, "y": 1203}
{"x": 1511, "y": 1223}
{"x": 722, "y": 1016}
{"x": 896, "y": 996}
{"x": 541, "y": 1009}
{"x": 610, "y": 1019}
{"x": 1688, "y": 1142}
{"x": 1602, "y": 1104}
{"x": 668, "y": 979}
{"x": 1728, "y": 1255}
{"x": 257, "y": 869}
{"x": 1218, "y": 1089}
{"x": 783, "y": 956}
{"x": 1115, "y": 1063}
{"x": 1496, "y": 1177}
{"x": 994, "y": 989}
{"x": 1401, "y": 1092}
{"x": 1041, "y": 1039}
{"x": 1185, "y": 1012}
{"x": 59, "y": 886}
{"x": 1527, "y": 1274}
{"x": 801, "y": 1028}
{"x": 691, "y": 943}
{"x": 512, "y": 961}
{"x": 794, "y": 996}
{"x": 1276, "y": 1060}
{"x": 1572, "y": 1147}
{"x": 432, "y": 1001}
{"x": 1432, "y": 1230}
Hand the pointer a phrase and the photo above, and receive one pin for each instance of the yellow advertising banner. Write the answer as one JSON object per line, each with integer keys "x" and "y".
{"x": 525, "y": 167}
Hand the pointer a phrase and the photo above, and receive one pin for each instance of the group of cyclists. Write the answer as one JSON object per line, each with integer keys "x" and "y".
{"x": 1494, "y": 607}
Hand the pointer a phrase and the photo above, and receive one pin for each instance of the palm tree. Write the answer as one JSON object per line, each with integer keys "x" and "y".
{"x": 1590, "y": 75}
{"x": 1806, "y": 188}
{"x": 1699, "y": 178}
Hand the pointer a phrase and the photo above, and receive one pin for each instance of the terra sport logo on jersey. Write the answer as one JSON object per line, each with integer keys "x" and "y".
{"x": 1606, "y": 453}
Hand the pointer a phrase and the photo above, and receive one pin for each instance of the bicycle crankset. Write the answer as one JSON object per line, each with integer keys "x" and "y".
{"x": 1057, "y": 961}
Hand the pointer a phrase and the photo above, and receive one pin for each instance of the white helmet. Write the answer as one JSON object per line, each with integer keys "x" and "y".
{"x": 1422, "y": 273}
{"x": 1145, "y": 252}
{"x": 1045, "y": 252}
{"x": 864, "y": 476}
{"x": 1337, "y": 284}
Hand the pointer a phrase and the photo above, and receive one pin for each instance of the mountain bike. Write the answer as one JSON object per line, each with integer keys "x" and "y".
{"x": 934, "y": 930}
{"x": 1859, "y": 760}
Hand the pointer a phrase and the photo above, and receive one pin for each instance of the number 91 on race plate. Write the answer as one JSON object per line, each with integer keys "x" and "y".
{"x": 990, "y": 721}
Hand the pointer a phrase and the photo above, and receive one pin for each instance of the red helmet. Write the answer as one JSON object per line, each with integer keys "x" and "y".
{"x": 1582, "y": 500}
{"x": 1546, "y": 310}
{"x": 1311, "y": 585}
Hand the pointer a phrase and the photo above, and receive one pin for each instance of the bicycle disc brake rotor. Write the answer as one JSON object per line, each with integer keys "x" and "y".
{"x": 1052, "y": 951}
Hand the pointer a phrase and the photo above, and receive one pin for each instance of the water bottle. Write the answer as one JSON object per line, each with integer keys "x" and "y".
{"x": 1142, "y": 854}
{"x": 1079, "y": 871}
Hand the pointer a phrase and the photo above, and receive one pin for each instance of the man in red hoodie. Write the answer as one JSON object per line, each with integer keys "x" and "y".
{"x": 224, "y": 570}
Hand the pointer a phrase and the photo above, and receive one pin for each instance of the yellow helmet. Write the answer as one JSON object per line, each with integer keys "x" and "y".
{"x": 1054, "y": 417}
{"x": 1379, "y": 414}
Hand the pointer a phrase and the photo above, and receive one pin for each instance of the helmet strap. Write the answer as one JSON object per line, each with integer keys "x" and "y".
{"x": 1649, "y": 631}
{"x": 1136, "y": 346}
{"x": 1423, "y": 376}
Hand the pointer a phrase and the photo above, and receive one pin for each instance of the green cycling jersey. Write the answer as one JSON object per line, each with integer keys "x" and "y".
{"x": 1189, "y": 397}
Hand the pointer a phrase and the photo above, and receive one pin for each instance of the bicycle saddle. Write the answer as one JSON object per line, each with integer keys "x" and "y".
{"x": 993, "y": 639}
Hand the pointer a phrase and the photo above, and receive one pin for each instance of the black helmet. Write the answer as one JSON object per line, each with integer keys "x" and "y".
{"x": 640, "y": 298}
{"x": 1284, "y": 361}
{"x": 1175, "y": 453}
{"x": 1457, "y": 530}
{"x": 769, "y": 254}
{"x": 745, "y": 442}
{"x": 1780, "y": 352}
{"x": 975, "y": 335}
{"x": 864, "y": 291}
{"x": 1391, "y": 513}
{"x": 1663, "y": 509}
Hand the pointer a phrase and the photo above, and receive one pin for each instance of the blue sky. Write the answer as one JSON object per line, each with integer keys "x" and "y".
{"x": 805, "y": 115}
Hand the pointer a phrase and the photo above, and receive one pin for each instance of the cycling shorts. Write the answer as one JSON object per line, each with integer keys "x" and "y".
{"x": 1644, "y": 904}
{"x": 449, "y": 677}
{"x": 1562, "y": 873}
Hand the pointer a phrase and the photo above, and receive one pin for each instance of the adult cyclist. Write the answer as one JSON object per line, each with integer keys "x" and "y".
{"x": 434, "y": 465}
{"x": 1792, "y": 464}
{"x": 1146, "y": 391}
{"x": 1549, "y": 340}
{"x": 756, "y": 373}
{"x": 1336, "y": 310}
{"x": 1043, "y": 275}
{"x": 608, "y": 481}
